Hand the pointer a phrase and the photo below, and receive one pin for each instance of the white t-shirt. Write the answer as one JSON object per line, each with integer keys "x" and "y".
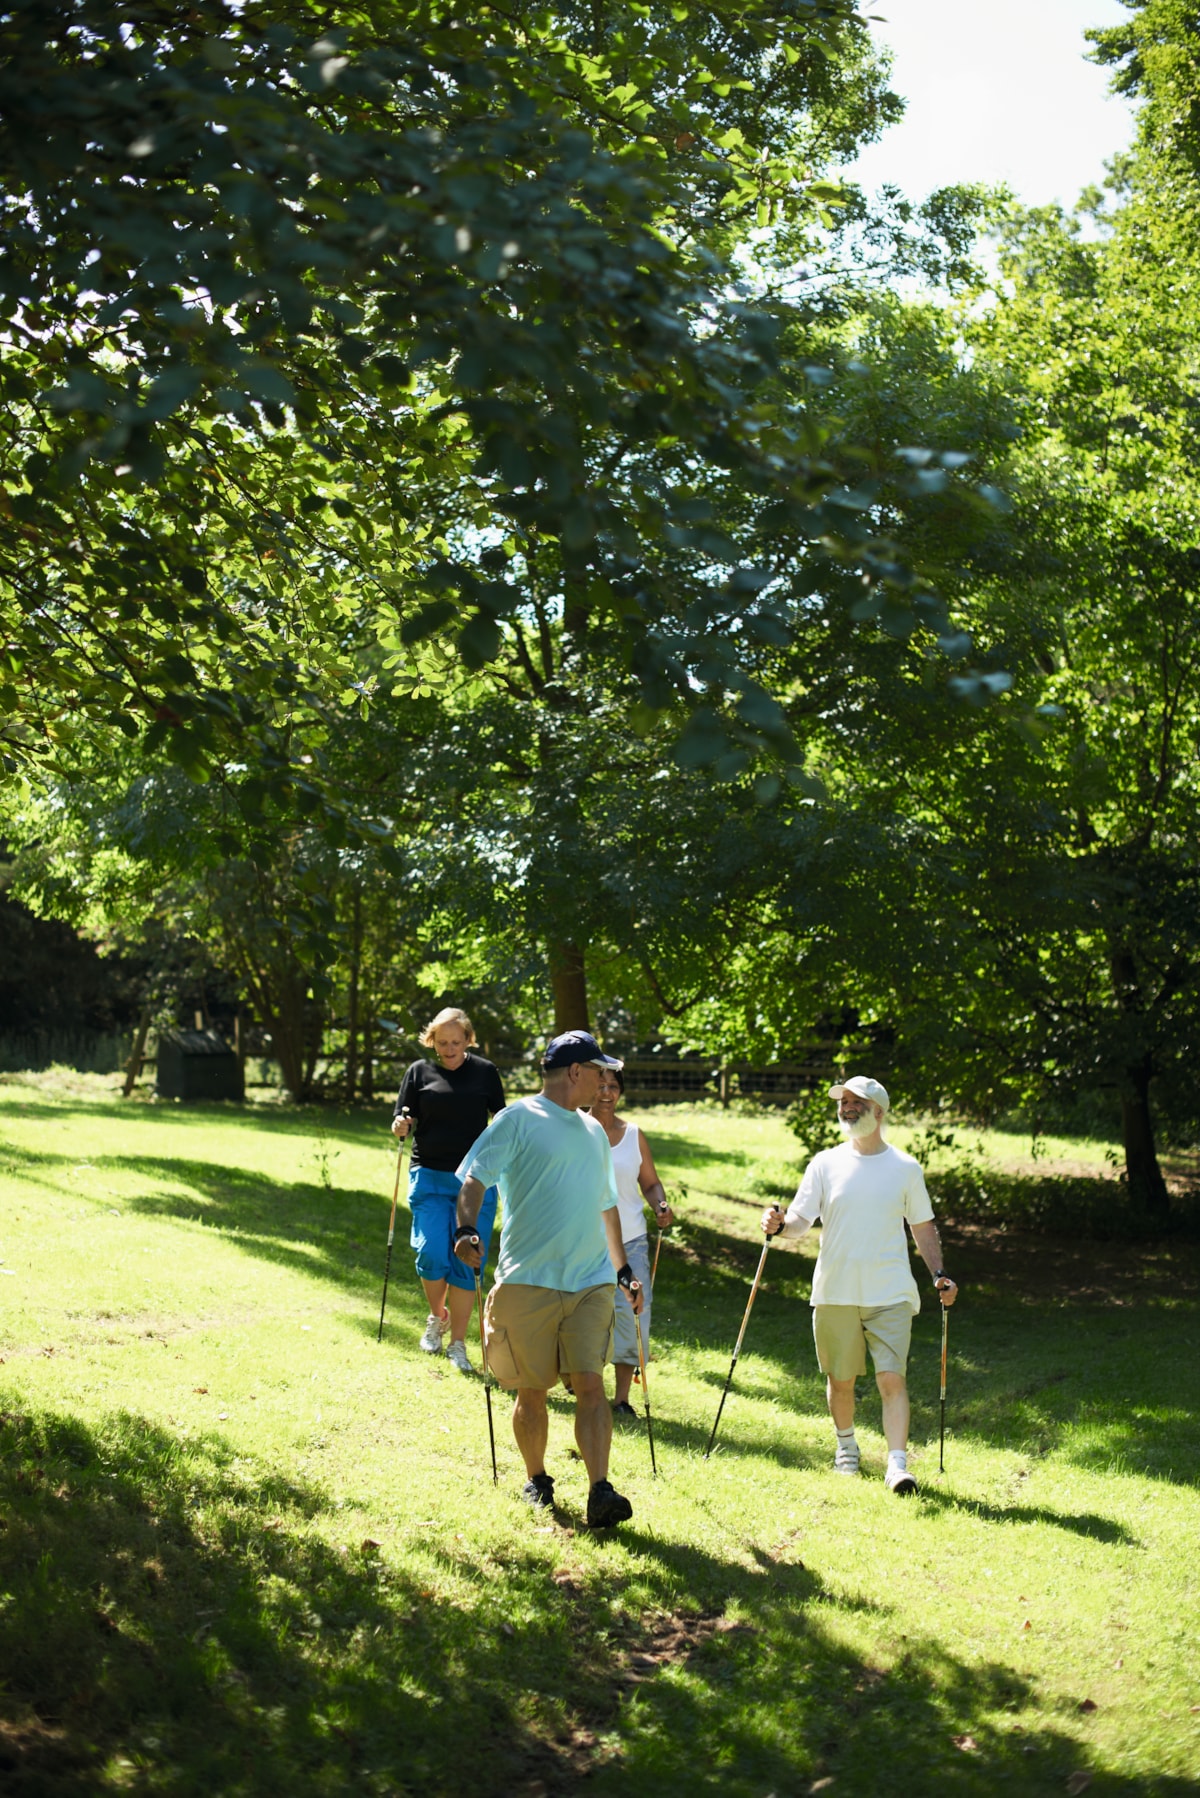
{"x": 863, "y": 1203}
{"x": 627, "y": 1165}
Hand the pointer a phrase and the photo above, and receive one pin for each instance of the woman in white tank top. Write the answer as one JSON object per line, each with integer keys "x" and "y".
{"x": 638, "y": 1185}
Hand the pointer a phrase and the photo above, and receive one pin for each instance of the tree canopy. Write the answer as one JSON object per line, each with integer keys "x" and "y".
{"x": 313, "y": 339}
{"x": 476, "y": 511}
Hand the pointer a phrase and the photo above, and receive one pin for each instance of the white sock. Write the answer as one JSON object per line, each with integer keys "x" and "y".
{"x": 898, "y": 1458}
{"x": 845, "y": 1438}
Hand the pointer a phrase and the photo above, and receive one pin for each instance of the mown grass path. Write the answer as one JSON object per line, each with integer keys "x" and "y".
{"x": 244, "y": 1549}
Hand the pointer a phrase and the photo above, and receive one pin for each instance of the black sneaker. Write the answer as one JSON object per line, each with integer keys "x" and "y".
{"x": 606, "y": 1507}
{"x": 539, "y": 1492}
{"x": 624, "y": 1410}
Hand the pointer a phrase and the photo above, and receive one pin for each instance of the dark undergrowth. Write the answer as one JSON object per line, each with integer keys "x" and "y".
{"x": 1068, "y": 1205}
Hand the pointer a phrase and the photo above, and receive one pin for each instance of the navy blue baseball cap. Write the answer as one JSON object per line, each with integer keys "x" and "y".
{"x": 576, "y": 1045}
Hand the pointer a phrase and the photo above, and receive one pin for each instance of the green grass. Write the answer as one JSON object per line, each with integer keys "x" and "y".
{"x": 244, "y": 1549}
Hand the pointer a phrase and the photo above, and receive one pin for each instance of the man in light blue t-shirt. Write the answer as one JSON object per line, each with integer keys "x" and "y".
{"x": 550, "y": 1313}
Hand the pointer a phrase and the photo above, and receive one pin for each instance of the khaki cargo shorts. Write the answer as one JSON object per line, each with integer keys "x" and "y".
{"x": 843, "y": 1333}
{"x": 535, "y": 1335}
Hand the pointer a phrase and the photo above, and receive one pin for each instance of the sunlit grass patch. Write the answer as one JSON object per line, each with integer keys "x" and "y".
{"x": 245, "y": 1548}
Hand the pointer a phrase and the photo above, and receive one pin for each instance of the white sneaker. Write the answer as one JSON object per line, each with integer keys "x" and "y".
{"x": 846, "y": 1459}
{"x": 435, "y": 1329}
{"x": 899, "y": 1480}
{"x": 456, "y": 1354}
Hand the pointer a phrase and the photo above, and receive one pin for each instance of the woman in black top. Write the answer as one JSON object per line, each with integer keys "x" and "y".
{"x": 451, "y": 1101}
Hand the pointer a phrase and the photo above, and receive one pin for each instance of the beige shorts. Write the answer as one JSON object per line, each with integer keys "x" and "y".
{"x": 535, "y": 1335}
{"x": 843, "y": 1334}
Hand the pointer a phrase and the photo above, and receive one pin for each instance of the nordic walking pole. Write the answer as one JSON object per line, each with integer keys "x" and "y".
{"x": 387, "y": 1266}
{"x": 658, "y": 1246}
{"x": 942, "y": 1434}
{"x": 637, "y": 1324}
{"x": 737, "y": 1347}
{"x": 487, "y": 1376}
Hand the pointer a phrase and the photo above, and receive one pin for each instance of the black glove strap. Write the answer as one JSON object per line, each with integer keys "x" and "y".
{"x": 625, "y": 1277}
{"x": 464, "y": 1230}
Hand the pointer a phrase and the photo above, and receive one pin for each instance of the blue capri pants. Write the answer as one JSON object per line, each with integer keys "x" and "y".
{"x": 433, "y": 1201}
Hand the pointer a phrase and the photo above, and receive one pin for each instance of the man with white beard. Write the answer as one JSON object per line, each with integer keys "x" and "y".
{"x": 863, "y": 1292}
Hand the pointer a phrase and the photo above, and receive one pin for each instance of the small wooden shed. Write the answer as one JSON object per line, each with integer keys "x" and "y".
{"x": 197, "y": 1064}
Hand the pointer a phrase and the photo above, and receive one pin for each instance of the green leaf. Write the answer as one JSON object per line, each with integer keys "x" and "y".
{"x": 429, "y": 619}
{"x": 170, "y": 391}
{"x": 578, "y": 526}
{"x": 264, "y": 382}
{"x": 702, "y": 740}
{"x": 732, "y": 765}
{"x": 758, "y": 709}
{"x": 480, "y": 640}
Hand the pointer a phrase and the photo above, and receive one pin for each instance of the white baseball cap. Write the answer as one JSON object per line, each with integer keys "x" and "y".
{"x": 863, "y": 1088}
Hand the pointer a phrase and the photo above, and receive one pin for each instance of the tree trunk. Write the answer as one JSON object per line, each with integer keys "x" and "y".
{"x": 368, "y": 1060}
{"x": 1147, "y": 1188}
{"x": 568, "y": 983}
{"x": 289, "y": 1032}
{"x": 352, "y": 997}
{"x": 133, "y": 1067}
{"x": 314, "y": 1041}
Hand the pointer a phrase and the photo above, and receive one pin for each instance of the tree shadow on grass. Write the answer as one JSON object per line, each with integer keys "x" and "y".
{"x": 306, "y": 1121}
{"x": 338, "y": 1235}
{"x": 175, "y": 1621}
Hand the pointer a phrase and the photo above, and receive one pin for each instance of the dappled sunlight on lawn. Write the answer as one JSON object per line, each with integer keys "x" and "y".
{"x": 268, "y": 1555}
{"x": 185, "y": 1611}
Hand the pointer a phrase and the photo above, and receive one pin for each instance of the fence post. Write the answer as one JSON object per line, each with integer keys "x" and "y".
{"x": 723, "y": 1085}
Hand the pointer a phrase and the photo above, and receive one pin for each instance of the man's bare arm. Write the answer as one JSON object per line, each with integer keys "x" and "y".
{"x": 930, "y": 1250}
{"x": 470, "y": 1198}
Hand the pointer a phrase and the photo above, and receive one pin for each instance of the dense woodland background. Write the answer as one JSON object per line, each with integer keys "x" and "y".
{"x": 487, "y": 515}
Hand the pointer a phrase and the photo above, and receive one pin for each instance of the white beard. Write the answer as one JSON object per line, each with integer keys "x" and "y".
{"x": 861, "y": 1126}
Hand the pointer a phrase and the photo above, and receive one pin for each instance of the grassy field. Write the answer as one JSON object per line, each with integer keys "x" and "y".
{"x": 244, "y": 1549}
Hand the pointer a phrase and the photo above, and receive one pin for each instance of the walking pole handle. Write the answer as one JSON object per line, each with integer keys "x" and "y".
{"x": 387, "y": 1265}
{"x": 408, "y": 1116}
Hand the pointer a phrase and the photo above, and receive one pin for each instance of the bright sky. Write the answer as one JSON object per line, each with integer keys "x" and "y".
{"x": 997, "y": 90}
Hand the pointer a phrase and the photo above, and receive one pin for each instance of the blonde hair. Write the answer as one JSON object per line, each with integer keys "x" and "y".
{"x": 450, "y": 1014}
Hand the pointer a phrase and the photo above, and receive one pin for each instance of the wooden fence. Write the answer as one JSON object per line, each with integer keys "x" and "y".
{"x": 655, "y": 1079}
{"x": 649, "y": 1079}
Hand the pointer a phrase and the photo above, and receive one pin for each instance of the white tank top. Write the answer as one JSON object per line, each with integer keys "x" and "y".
{"x": 627, "y": 1160}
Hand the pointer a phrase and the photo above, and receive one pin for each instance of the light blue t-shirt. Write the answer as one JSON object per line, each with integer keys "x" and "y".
{"x": 555, "y": 1173}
